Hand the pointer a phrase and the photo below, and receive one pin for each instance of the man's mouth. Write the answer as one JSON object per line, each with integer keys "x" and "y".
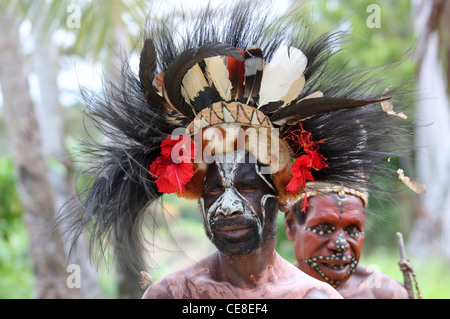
{"x": 336, "y": 266}
{"x": 333, "y": 268}
{"x": 234, "y": 231}
{"x": 233, "y": 228}
{"x": 335, "y": 262}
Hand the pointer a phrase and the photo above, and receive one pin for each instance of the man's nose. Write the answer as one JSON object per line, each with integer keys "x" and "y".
{"x": 338, "y": 243}
{"x": 228, "y": 213}
{"x": 231, "y": 205}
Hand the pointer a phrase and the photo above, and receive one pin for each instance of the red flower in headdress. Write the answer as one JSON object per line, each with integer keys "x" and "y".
{"x": 301, "y": 169}
{"x": 174, "y": 168}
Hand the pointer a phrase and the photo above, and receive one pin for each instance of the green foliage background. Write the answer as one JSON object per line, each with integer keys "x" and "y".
{"x": 15, "y": 267}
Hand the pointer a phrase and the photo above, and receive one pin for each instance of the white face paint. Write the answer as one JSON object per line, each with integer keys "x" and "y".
{"x": 263, "y": 204}
{"x": 231, "y": 202}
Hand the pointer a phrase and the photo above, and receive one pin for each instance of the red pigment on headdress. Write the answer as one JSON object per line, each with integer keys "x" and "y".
{"x": 236, "y": 70}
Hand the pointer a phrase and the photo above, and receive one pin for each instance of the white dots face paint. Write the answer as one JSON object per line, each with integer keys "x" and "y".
{"x": 341, "y": 243}
{"x": 320, "y": 232}
{"x": 332, "y": 229}
{"x": 337, "y": 235}
{"x": 314, "y": 262}
{"x": 354, "y": 234}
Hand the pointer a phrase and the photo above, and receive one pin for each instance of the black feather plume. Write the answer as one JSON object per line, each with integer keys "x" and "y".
{"x": 147, "y": 69}
{"x": 147, "y": 65}
{"x": 357, "y": 144}
{"x": 308, "y": 107}
{"x": 185, "y": 61}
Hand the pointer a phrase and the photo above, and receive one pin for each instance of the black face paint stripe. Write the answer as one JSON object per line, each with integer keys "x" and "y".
{"x": 258, "y": 171}
{"x": 340, "y": 204}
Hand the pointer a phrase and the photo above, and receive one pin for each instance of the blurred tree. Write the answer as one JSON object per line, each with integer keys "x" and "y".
{"x": 101, "y": 23}
{"x": 45, "y": 66}
{"x": 46, "y": 249}
{"x": 431, "y": 232}
{"x": 44, "y": 62}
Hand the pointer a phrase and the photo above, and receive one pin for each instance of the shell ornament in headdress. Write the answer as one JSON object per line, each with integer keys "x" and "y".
{"x": 239, "y": 72}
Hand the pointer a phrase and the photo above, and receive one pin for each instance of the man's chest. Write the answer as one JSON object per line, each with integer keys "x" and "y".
{"x": 208, "y": 289}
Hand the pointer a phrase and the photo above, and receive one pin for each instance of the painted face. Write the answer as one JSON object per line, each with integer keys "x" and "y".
{"x": 328, "y": 245}
{"x": 238, "y": 204}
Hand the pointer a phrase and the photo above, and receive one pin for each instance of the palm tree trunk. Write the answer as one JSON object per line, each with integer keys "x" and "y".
{"x": 50, "y": 118}
{"x": 431, "y": 230}
{"x": 46, "y": 249}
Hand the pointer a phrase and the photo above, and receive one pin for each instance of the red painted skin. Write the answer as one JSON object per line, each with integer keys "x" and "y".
{"x": 325, "y": 214}
{"x": 229, "y": 273}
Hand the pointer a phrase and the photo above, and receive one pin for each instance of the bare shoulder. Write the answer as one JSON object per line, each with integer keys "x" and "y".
{"x": 390, "y": 288}
{"x": 372, "y": 283}
{"x": 160, "y": 290}
{"x": 312, "y": 288}
{"x": 177, "y": 285}
{"x": 321, "y": 290}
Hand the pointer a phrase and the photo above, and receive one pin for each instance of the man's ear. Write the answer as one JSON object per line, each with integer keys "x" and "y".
{"x": 289, "y": 225}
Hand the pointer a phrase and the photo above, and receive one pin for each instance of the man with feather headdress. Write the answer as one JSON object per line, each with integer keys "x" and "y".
{"x": 328, "y": 238}
{"x": 219, "y": 114}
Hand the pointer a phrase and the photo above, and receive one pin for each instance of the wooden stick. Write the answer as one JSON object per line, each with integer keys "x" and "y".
{"x": 405, "y": 269}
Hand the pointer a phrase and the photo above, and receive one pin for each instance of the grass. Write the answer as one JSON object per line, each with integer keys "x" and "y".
{"x": 432, "y": 273}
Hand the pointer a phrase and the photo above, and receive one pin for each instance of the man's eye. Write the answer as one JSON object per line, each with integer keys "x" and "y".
{"x": 321, "y": 229}
{"x": 215, "y": 190}
{"x": 246, "y": 188}
{"x": 353, "y": 231}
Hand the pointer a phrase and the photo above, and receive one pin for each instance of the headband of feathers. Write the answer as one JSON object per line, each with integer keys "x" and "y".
{"x": 234, "y": 67}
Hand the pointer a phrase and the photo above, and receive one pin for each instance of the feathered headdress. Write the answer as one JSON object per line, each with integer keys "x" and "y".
{"x": 241, "y": 73}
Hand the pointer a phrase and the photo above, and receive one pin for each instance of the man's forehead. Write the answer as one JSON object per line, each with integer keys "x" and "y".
{"x": 229, "y": 163}
{"x": 330, "y": 208}
{"x": 234, "y": 159}
{"x": 233, "y": 167}
{"x": 229, "y": 172}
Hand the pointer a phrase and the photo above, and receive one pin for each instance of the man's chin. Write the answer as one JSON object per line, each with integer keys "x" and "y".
{"x": 331, "y": 270}
{"x": 336, "y": 272}
{"x": 237, "y": 245}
